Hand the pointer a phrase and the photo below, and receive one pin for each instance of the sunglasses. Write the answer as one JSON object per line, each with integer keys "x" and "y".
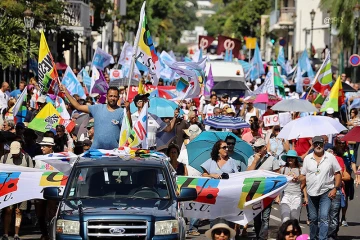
{"x": 256, "y": 149}
{"x": 220, "y": 231}
{"x": 225, "y": 147}
{"x": 318, "y": 144}
{"x": 293, "y": 232}
{"x": 230, "y": 143}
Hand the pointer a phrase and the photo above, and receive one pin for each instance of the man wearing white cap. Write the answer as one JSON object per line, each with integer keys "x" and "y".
{"x": 15, "y": 157}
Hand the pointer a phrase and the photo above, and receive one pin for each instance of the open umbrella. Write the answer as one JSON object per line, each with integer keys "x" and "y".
{"x": 353, "y": 135}
{"x": 294, "y": 105}
{"x": 160, "y": 107}
{"x": 226, "y": 122}
{"x": 265, "y": 98}
{"x": 230, "y": 85}
{"x": 310, "y": 126}
{"x": 199, "y": 149}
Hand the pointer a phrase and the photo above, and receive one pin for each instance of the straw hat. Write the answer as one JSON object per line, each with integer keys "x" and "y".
{"x": 208, "y": 233}
{"x": 47, "y": 141}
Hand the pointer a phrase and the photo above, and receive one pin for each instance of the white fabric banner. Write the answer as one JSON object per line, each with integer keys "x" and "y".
{"x": 18, "y": 184}
{"x": 238, "y": 199}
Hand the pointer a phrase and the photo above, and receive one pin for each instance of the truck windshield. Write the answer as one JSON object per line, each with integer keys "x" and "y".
{"x": 131, "y": 182}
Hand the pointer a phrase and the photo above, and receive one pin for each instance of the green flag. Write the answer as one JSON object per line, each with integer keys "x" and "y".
{"x": 277, "y": 79}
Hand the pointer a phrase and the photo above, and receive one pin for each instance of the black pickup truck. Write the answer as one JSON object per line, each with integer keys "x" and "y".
{"x": 120, "y": 198}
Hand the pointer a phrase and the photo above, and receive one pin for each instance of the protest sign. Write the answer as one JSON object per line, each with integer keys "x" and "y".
{"x": 238, "y": 199}
{"x": 271, "y": 120}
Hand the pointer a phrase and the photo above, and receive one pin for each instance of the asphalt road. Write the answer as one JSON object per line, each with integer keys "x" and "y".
{"x": 345, "y": 233}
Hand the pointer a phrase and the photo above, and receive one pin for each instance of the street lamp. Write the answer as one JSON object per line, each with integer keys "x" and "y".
{"x": 329, "y": 15}
{"x": 312, "y": 16}
{"x": 356, "y": 18}
{"x": 102, "y": 17}
{"x": 113, "y": 18}
{"x": 29, "y": 24}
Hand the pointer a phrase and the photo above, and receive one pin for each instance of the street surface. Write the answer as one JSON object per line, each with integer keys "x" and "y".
{"x": 345, "y": 233}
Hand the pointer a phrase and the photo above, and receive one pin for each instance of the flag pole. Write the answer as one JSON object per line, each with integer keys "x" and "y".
{"x": 136, "y": 45}
{"x": 315, "y": 78}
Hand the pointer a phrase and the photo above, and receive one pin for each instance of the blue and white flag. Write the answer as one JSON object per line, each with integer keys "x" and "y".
{"x": 72, "y": 84}
{"x": 246, "y": 66}
{"x": 305, "y": 64}
{"x": 85, "y": 77}
{"x": 166, "y": 72}
{"x": 257, "y": 65}
{"x": 101, "y": 59}
{"x": 281, "y": 59}
{"x": 299, "y": 80}
{"x": 125, "y": 61}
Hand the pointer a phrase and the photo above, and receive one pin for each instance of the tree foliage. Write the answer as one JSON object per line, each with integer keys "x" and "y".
{"x": 13, "y": 43}
{"x": 342, "y": 17}
{"x": 237, "y": 18}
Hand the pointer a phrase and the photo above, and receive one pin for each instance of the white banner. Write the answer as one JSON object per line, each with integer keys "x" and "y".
{"x": 238, "y": 199}
{"x": 271, "y": 120}
{"x": 18, "y": 184}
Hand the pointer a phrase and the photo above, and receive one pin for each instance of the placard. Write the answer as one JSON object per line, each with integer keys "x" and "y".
{"x": 271, "y": 120}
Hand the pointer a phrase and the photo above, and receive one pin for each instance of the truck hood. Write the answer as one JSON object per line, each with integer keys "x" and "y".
{"x": 103, "y": 208}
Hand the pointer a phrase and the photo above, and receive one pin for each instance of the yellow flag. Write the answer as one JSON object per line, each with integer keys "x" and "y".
{"x": 48, "y": 76}
{"x": 141, "y": 87}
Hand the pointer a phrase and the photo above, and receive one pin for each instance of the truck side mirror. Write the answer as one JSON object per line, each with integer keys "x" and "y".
{"x": 187, "y": 194}
{"x": 51, "y": 193}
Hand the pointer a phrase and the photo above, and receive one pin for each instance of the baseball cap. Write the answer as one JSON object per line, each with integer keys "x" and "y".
{"x": 121, "y": 88}
{"x": 140, "y": 96}
{"x": 90, "y": 125}
{"x": 15, "y": 147}
{"x": 330, "y": 111}
{"x": 193, "y": 131}
{"x": 287, "y": 89}
{"x": 259, "y": 142}
{"x": 87, "y": 142}
{"x": 230, "y": 110}
{"x": 225, "y": 95}
{"x": 318, "y": 139}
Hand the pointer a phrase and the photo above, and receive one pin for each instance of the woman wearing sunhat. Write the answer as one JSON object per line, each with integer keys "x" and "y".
{"x": 291, "y": 199}
{"x": 220, "y": 231}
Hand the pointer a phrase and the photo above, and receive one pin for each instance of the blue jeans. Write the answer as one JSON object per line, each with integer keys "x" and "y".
{"x": 194, "y": 224}
{"x": 261, "y": 223}
{"x": 334, "y": 216}
{"x": 319, "y": 208}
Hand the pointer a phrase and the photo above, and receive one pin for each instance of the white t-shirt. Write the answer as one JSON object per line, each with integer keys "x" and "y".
{"x": 4, "y": 98}
{"x": 155, "y": 125}
{"x": 320, "y": 178}
{"x": 208, "y": 110}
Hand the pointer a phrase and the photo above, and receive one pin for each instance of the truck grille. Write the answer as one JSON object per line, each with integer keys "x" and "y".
{"x": 110, "y": 229}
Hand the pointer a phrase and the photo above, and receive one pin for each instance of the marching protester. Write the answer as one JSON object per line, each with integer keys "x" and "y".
{"x": 291, "y": 199}
{"x": 262, "y": 160}
{"x": 289, "y": 230}
{"x": 19, "y": 158}
{"x": 220, "y": 230}
{"x": 321, "y": 176}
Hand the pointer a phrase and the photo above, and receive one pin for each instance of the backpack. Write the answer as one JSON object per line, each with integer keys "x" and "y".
{"x": 27, "y": 158}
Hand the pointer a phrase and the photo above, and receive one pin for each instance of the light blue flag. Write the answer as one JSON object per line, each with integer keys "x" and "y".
{"x": 299, "y": 80}
{"x": 72, "y": 84}
{"x": 281, "y": 59}
{"x": 305, "y": 65}
{"x": 187, "y": 59}
{"x": 86, "y": 78}
{"x": 101, "y": 59}
{"x": 246, "y": 66}
{"x": 165, "y": 60}
{"x": 355, "y": 103}
{"x": 257, "y": 65}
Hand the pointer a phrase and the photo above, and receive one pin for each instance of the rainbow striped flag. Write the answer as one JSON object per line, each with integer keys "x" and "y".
{"x": 146, "y": 52}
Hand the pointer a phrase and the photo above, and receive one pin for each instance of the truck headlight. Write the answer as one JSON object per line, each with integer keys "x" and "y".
{"x": 166, "y": 227}
{"x": 67, "y": 227}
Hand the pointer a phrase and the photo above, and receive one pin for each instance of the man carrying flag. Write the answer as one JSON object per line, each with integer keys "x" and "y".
{"x": 107, "y": 118}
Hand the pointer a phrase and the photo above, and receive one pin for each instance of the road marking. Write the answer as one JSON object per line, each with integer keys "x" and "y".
{"x": 279, "y": 220}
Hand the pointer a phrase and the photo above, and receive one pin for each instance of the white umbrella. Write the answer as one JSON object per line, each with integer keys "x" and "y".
{"x": 310, "y": 126}
{"x": 294, "y": 105}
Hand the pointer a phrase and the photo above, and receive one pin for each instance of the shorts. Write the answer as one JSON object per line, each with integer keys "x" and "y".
{"x": 349, "y": 189}
{"x": 21, "y": 205}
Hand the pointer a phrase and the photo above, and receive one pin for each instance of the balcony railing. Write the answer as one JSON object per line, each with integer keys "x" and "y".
{"x": 287, "y": 15}
{"x": 76, "y": 14}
